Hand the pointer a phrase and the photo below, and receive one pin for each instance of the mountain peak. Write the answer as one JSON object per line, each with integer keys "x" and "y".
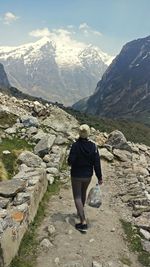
{"x": 124, "y": 90}
{"x": 58, "y": 67}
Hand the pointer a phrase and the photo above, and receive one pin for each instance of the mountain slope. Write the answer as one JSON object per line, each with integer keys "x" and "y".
{"x": 7, "y": 89}
{"x": 55, "y": 69}
{"x": 4, "y": 83}
{"x": 124, "y": 90}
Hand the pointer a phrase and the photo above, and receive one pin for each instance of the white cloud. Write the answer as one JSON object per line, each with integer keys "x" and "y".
{"x": 83, "y": 26}
{"x": 97, "y": 33}
{"x": 70, "y": 27}
{"x": 45, "y": 32}
{"x": 9, "y": 18}
{"x": 40, "y": 33}
{"x": 62, "y": 32}
{"x": 87, "y": 30}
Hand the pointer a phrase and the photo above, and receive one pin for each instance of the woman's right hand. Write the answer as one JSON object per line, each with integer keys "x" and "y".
{"x": 100, "y": 181}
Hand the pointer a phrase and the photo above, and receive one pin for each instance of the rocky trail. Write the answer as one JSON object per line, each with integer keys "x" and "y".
{"x": 103, "y": 245}
{"x": 35, "y": 140}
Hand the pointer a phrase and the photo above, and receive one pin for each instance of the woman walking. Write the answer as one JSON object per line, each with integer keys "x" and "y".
{"x": 83, "y": 158}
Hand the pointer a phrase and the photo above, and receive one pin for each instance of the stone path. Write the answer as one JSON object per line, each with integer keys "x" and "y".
{"x": 103, "y": 245}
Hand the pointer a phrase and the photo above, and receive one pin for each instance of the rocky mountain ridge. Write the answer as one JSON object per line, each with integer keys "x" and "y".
{"x": 4, "y": 83}
{"x": 124, "y": 90}
{"x": 54, "y": 69}
{"x": 50, "y": 131}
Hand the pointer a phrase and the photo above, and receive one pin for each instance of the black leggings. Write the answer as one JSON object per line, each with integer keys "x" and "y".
{"x": 79, "y": 188}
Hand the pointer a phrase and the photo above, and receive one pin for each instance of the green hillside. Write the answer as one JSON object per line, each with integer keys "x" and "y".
{"x": 133, "y": 131}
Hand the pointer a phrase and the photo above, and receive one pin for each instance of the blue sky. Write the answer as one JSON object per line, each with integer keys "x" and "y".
{"x": 106, "y": 23}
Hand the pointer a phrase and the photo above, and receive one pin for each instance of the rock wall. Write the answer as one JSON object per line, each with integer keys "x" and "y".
{"x": 19, "y": 201}
{"x": 132, "y": 168}
{"x": 49, "y": 130}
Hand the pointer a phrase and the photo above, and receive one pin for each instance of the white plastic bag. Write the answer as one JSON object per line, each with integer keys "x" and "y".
{"x": 94, "y": 198}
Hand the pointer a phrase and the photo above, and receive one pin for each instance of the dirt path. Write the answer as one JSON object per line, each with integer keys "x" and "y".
{"x": 104, "y": 242}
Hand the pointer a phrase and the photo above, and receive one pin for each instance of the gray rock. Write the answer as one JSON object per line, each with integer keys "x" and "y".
{"x": 29, "y": 159}
{"x": 32, "y": 130}
{"x": 47, "y": 158}
{"x": 52, "y": 170}
{"x": 21, "y": 198}
{"x": 4, "y": 202}
{"x": 50, "y": 178}
{"x": 134, "y": 148}
{"x": 56, "y": 149}
{"x": 73, "y": 264}
{"x": 6, "y": 152}
{"x": 26, "y": 175}
{"x": 96, "y": 264}
{"x": 23, "y": 207}
{"x": 104, "y": 153}
{"x": 148, "y": 180}
{"x": 3, "y": 225}
{"x": 145, "y": 233}
{"x": 139, "y": 170}
{"x": 40, "y": 134}
{"x": 11, "y": 187}
{"x": 11, "y": 130}
{"x": 3, "y": 213}
{"x": 44, "y": 145}
{"x": 43, "y": 165}
{"x": 29, "y": 121}
{"x": 142, "y": 147}
{"x": 117, "y": 140}
{"x": 112, "y": 264}
{"x": 142, "y": 161}
{"x": 122, "y": 155}
{"x": 46, "y": 244}
{"x": 60, "y": 140}
{"x": 60, "y": 121}
{"x": 143, "y": 221}
{"x": 37, "y": 106}
{"x": 51, "y": 229}
{"x": 33, "y": 180}
{"x": 146, "y": 245}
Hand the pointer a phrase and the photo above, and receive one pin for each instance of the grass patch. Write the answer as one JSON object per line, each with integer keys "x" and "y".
{"x": 28, "y": 248}
{"x": 3, "y": 172}
{"x": 125, "y": 261}
{"x": 134, "y": 240}
{"x": 15, "y": 146}
{"x": 7, "y": 119}
{"x": 64, "y": 166}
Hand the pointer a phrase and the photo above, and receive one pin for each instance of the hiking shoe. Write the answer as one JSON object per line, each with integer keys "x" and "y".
{"x": 81, "y": 227}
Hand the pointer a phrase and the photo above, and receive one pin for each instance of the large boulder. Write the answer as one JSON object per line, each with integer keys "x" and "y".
{"x": 10, "y": 188}
{"x": 29, "y": 159}
{"x": 116, "y": 139}
{"x": 39, "y": 135}
{"x": 29, "y": 121}
{"x": 122, "y": 155}
{"x": 44, "y": 145}
{"x": 104, "y": 153}
{"x": 143, "y": 221}
{"x": 60, "y": 121}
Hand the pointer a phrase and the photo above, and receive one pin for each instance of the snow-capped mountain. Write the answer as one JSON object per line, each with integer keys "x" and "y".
{"x": 56, "y": 69}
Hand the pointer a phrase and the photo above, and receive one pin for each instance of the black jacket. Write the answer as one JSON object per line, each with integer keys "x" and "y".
{"x": 83, "y": 157}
